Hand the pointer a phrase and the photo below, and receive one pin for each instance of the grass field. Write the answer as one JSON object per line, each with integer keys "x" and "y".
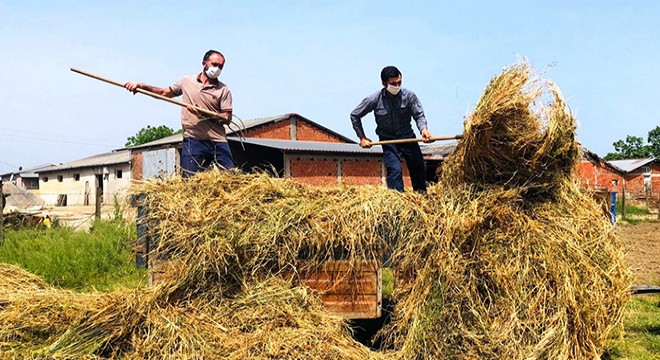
{"x": 100, "y": 259}
{"x": 641, "y": 337}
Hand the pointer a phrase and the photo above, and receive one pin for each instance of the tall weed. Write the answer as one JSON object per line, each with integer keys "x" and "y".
{"x": 99, "y": 259}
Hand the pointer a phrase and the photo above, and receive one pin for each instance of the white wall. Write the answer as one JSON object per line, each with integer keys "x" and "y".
{"x": 85, "y": 186}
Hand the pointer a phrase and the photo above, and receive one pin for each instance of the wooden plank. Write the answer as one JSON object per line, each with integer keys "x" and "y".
{"x": 352, "y": 306}
{"x": 352, "y": 290}
{"x": 347, "y": 265}
{"x": 338, "y": 283}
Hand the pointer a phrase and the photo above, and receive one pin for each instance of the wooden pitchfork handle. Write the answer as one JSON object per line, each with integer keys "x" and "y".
{"x": 149, "y": 93}
{"x": 406, "y": 141}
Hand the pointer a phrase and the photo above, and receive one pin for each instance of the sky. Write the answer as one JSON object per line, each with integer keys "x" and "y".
{"x": 315, "y": 58}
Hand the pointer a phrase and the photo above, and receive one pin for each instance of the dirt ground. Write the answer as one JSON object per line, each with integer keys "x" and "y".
{"x": 643, "y": 241}
{"x": 81, "y": 217}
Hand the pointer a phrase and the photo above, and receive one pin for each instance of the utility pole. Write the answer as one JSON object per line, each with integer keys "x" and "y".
{"x": 623, "y": 201}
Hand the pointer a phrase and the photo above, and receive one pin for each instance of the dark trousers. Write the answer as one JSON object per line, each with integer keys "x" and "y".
{"x": 414, "y": 160}
{"x": 199, "y": 155}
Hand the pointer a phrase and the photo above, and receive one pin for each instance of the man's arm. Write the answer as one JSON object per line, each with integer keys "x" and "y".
{"x": 418, "y": 114}
{"x": 133, "y": 86}
{"x": 366, "y": 106}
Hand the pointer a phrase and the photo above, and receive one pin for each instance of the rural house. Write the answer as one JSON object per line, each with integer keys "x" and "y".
{"x": 641, "y": 176}
{"x": 26, "y": 179}
{"x": 597, "y": 174}
{"x": 75, "y": 182}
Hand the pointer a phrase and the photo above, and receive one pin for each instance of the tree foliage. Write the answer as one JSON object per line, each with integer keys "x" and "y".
{"x": 148, "y": 134}
{"x": 634, "y": 148}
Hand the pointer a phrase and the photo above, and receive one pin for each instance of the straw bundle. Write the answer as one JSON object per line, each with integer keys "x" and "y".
{"x": 505, "y": 259}
{"x": 513, "y": 140}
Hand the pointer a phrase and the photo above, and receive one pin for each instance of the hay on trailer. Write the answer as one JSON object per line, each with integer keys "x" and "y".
{"x": 505, "y": 259}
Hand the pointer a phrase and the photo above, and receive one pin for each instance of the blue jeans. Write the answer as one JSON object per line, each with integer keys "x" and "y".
{"x": 414, "y": 161}
{"x": 199, "y": 155}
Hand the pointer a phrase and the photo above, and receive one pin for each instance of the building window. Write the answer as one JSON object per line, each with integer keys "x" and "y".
{"x": 76, "y": 177}
{"x": 646, "y": 169}
{"x": 60, "y": 178}
{"x": 33, "y": 184}
{"x": 118, "y": 174}
{"x": 45, "y": 179}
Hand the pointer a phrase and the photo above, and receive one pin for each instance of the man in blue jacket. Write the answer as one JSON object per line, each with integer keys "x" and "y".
{"x": 393, "y": 108}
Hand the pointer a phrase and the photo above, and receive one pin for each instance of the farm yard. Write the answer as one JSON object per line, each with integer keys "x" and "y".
{"x": 507, "y": 258}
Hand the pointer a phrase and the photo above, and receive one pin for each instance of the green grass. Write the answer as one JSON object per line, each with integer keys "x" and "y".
{"x": 641, "y": 336}
{"x": 388, "y": 282}
{"x": 100, "y": 259}
{"x": 632, "y": 210}
{"x": 634, "y": 214}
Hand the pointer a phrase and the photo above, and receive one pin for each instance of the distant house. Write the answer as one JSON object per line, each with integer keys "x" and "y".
{"x": 292, "y": 146}
{"x": 597, "y": 174}
{"x": 76, "y": 182}
{"x": 26, "y": 179}
{"x": 642, "y": 176}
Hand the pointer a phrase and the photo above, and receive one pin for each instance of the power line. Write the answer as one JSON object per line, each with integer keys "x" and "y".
{"x": 44, "y": 140}
{"x": 6, "y": 163}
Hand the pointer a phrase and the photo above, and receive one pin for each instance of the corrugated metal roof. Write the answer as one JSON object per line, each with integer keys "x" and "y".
{"x": 630, "y": 165}
{"x": 30, "y": 172}
{"x": 111, "y": 158}
{"x": 437, "y": 151}
{"x": 236, "y": 129}
{"x": 309, "y": 146}
{"x": 430, "y": 151}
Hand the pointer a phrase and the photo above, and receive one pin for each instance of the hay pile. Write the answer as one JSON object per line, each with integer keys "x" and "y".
{"x": 505, "y": 259}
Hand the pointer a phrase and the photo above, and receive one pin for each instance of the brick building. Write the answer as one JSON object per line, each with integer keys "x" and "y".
{"x": 597, "y": 174}
{"x": 292, "y": 146}
{"x": 641, "y": 176}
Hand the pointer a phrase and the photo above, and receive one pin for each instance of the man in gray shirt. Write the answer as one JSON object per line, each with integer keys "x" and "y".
{"x": 393, "y": 108}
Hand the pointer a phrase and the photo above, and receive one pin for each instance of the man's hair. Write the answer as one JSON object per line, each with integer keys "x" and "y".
{"x": 211, "y": 52}
{"x": 388, "y": 72}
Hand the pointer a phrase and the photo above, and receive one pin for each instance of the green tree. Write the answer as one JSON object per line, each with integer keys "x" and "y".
{"x": 148, "y": 134}
{"x": 633, "y": 147}
{"x": 654, "y": 141}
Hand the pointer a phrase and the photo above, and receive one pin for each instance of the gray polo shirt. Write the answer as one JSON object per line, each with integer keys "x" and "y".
{"x": 216, "y": 98}
{"x": 393, "y": 118}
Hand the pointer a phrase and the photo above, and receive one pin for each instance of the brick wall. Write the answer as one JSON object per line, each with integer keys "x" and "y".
{"x": 361, "y": 171}
{"x": 277, "y": 130}
{"x": 136, "y": 168}
{"x": 314, "y": 170}
{"x": 320, "y": 170}
{"x": 305, "y": 131}
{"x": 595, "y": 176}
{"x": 308, "y": 132}
{"x": 635, "y": 183}
{"x": 407, "y": 183}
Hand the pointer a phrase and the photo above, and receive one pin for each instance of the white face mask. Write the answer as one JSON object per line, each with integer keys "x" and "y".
{"x": 393, "y": 89}
{"x": 213, "y": 72}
